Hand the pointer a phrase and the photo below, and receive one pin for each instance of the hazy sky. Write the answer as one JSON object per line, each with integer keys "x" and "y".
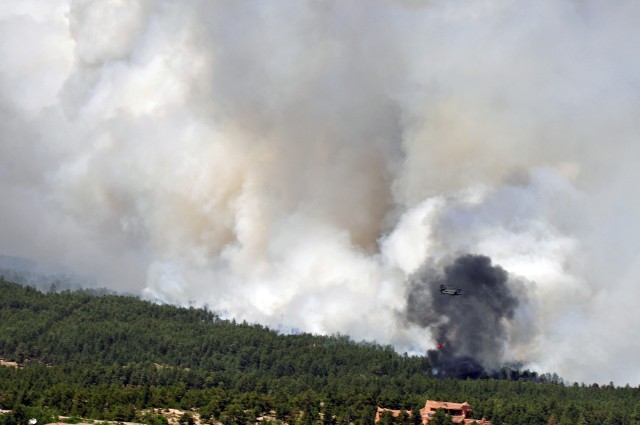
{"x": 298, "y": 163}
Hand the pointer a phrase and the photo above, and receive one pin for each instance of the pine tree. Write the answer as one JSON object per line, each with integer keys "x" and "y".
{"x": 386, "y": 418}
{"x": 416, "y": 417}
{"x": 403, "y": 418}
{"x": 635, "y": 415}
{"x": 440, "y": 418}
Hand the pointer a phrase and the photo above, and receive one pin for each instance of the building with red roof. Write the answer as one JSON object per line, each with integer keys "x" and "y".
{"x": 460, "y": 413}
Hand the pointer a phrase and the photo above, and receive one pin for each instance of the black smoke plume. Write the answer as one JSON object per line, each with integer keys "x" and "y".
{"x": 471, "y": 330}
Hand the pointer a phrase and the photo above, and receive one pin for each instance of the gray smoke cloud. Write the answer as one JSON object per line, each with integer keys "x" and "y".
{"x": 297, "y": 163}
{"x": 472, "y": 330}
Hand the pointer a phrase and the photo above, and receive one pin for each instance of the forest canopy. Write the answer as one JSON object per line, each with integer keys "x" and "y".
{"x": 101, "y": 355}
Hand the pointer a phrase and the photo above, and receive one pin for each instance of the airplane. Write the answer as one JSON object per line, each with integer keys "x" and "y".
{"x": 448, "y": 290}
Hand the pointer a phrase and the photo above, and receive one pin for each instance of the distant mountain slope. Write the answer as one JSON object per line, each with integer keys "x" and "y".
{"x": 43, "y": 276}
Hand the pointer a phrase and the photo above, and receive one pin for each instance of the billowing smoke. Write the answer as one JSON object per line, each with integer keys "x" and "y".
{"x": 472, "y": 330}
{"x": 300, "y": 163}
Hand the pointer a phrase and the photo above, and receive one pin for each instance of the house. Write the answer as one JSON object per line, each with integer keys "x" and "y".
{"x": 460, "y": 412}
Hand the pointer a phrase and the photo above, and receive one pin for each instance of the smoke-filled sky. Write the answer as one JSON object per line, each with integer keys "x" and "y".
{"x": 308, "y": 164}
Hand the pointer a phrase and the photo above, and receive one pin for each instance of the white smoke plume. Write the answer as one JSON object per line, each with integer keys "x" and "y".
{"x": 294, "y": 162}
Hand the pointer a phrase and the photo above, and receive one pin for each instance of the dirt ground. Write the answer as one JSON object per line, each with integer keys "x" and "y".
{"x": 172, "y": 415}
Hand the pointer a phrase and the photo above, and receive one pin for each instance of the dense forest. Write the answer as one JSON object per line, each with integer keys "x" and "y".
{"x": 94, "y": 354}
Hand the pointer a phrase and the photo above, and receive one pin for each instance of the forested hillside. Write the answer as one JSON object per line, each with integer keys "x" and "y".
{"x": 106, "y": 356}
